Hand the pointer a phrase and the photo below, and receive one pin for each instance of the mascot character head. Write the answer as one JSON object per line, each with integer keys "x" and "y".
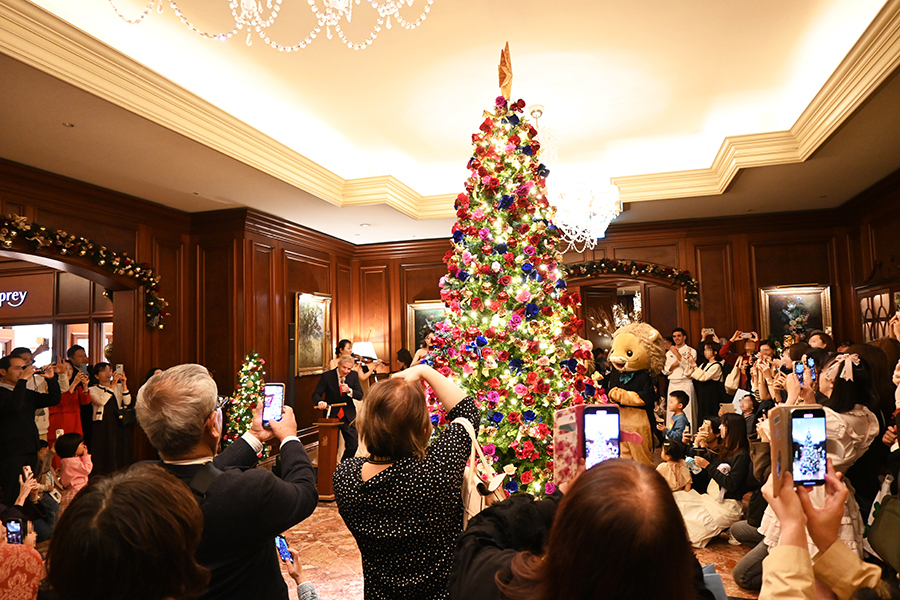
{"x": 638, "y": 347}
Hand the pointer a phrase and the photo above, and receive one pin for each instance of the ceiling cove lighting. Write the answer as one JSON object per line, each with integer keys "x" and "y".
{"x": 259, "y": 15}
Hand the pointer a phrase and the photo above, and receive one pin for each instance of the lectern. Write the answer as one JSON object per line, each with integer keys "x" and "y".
{"x": 328, "y": 443}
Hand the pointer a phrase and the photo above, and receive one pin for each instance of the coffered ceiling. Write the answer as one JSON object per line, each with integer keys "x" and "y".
{"x": 700, "y": 108}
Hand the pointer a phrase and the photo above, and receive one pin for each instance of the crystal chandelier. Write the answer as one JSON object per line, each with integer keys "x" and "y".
{"x": 250, "y": 16}
{"x": 583, "y": 210}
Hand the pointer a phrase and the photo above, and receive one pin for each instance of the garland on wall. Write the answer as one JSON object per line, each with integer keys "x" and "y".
{"x": 631, "y": 268}
{"x": 59, "y": 242}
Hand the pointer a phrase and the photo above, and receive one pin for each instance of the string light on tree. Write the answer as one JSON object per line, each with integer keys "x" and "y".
{"x": 238, "y": 414}
{"x": 510, "y": 335}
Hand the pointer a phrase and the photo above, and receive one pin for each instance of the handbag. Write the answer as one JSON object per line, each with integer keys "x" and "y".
{"x": 885, "y": 531}
{"x": 733, "y": 381}
{"x": 478, "y": 493}
{"x": 127, "y": 415}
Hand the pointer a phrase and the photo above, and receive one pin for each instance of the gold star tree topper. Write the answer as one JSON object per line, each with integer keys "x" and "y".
{"x": 505, "y": 70}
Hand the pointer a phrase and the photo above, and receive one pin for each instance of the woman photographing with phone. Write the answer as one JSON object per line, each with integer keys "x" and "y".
{"x": 403, "y": 503}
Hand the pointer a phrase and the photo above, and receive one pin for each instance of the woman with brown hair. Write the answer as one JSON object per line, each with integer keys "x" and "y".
{"x": 403, "y": 502}
{"x": 616, "y": 534}
{"x": 130, "y": 536}
{"x": 708, "y": 514}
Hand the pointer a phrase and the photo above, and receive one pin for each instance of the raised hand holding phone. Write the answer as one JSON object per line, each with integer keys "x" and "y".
{"x": 823, "y": 523}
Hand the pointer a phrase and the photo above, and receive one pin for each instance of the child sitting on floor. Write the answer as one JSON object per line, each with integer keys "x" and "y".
{"x": 673, "y": 468}
{"x": 75, "y": 466}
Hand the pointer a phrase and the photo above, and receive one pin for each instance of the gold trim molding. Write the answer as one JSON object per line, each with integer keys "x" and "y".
{"x": 38, "y": 38}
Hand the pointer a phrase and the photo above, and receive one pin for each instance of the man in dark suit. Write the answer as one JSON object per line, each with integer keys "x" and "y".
{"x": 243, "y": 508}
{"x": 341, "y": 386}
{"x": 18, "y": 433}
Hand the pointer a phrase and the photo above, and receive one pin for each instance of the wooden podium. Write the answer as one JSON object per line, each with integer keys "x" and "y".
{"x": 328, "y": 444}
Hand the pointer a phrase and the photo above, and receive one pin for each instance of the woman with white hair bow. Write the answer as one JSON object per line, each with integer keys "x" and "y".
{"x": 846, "y": 393}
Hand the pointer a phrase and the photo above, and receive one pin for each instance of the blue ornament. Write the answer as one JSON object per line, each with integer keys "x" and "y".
{"x": 543, "y": 171}
{"x": 511, "y": 486}
{"x": 435, "y": 419}
{"x": 531, "y": 310}
{"x": 462, "y": 275}
{"x": 561, "y": 284}
{"x": 506, "y": 201}
{"x": 529, "y": 416}
{"x": 458, "y": 236}
{"x": 500, "y": 249}
{"x": 527, "y": 267}
{"x": 513, "y": 119}
{"x": 570, "y": 364}
{"x": 481, "y": 340}
{"x": 526, "y": 150}
{"x": 515, "y": 364}
{"x": 497, "y": 417}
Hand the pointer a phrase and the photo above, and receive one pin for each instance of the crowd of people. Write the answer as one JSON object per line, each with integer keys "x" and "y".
{"x": 202, "y": 522}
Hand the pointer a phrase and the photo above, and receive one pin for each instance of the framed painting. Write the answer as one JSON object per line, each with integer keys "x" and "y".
{"x": 420, "y": 319}
{"x": 794, "y": 311}
{"x": 313, "y": 333}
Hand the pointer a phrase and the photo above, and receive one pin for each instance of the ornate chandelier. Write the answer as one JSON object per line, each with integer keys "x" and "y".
{"x": 250, "y": 16}
{"x": 583, "y": 210}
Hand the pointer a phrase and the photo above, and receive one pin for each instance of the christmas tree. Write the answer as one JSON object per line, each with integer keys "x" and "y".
{"x": 509, "y": 338}
{"x": 239, "y": 412}
{"x": 810, "y": 457}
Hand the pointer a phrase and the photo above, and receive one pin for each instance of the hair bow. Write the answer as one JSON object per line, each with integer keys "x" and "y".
{"x": 843, "y": 364}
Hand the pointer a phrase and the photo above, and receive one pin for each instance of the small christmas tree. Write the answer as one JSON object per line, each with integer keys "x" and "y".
{"x": 810, "y": 457}
{"x": 249, "y": 393}
{"x": 510, "y": 335}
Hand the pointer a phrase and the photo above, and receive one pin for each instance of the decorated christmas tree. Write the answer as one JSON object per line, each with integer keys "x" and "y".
{"x": 810, "y": 457}
{"x": 510, "y": 335}
{"x": 249, "y": 393}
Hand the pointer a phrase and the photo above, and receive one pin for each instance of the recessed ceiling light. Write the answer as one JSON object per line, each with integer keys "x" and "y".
{"x": 365, "y": 225}
{"x": 68, "y": 124}
{"x": 356, "y": 234}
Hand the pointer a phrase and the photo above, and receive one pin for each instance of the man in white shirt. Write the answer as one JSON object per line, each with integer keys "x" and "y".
{"x": 677, "y": 369}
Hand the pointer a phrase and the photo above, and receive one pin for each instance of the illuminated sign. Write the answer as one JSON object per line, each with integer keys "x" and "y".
{"x": 13, "y": 299}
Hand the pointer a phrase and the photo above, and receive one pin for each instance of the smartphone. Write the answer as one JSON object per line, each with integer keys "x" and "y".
{"x": 15, "y": 531}
{"x": 687, "y": 428}
{"x": 808, "y": 446}
{"x": 708, "y": 331}
{"x": 59, "y": 433}
{"x": 811, "y": 363}
{"x": 27, "y": 472}
{"x": 798, "y": 369}
{"x": 746, "y": 336}
{"x": 727, "y": 407}
{"x": 601, "y": 434}
{"x": 120, "y": 368}
{"x": 273, "y": 406}
{"x": 283, "y": 551}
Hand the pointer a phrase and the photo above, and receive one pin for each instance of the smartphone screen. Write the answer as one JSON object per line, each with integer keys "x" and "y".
{"x": 811, "y": 363}
{"x": 808, "y": 446}
{"x": 273, "y": 406}
{"x": 601, "y": 434}
{"x": 14, "y": 533}
{"x": 798, "y": 369}
{"x": 283, "y": 551}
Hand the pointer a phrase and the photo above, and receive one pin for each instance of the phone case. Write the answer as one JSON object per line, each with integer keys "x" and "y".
{"x": 568, "y": 440}
{"x": 780, "y": 444}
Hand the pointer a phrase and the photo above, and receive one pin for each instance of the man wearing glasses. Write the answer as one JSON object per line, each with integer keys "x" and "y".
{"x": 243, "y": 508}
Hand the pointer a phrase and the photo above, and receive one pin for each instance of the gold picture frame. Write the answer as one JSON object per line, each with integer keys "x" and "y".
{"x": 797, "y": 310}
{"x": 421, "y": 316}
{"x": 312, "y": 318}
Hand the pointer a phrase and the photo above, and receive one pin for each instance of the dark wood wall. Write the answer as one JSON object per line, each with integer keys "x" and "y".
{"x": 230, "y": 276}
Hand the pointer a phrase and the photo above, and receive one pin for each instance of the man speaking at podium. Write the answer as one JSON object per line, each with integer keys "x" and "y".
{"x": 341, "y": 386}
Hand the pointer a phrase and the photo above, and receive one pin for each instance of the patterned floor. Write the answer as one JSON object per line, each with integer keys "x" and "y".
{"x": 332, "y": 561}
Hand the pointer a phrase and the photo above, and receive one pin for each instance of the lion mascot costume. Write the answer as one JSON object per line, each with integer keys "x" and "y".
{"x": 638, "y": 355}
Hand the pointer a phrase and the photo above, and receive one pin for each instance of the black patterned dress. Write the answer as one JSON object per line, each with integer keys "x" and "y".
{"x": 406, "y": 519}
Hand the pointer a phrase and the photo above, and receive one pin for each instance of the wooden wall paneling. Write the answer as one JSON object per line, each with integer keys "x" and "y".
{"x": 100, "y": 303}
{"x": 421, "y": 281}
{"x": 665, "y": 310}
{"x": 886, "y": 245}
{"x": 258, "y": 333}
{"x": 73, "y": 295}
{"x": 663, "y": 254}
{"x": 169, "y": 345}
{"x": 714, "y": 272}
{"x": 344, "y": 302}
{"x": 216, "y": 328}
{"x": 746, "y": 317}
{"x": 375, "y": 322}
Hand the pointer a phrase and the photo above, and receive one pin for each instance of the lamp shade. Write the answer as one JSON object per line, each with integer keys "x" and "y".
{"x": 366, "y": 349}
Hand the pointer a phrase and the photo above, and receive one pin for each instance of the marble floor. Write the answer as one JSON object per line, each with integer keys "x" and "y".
{"x": 332, "y": 561}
